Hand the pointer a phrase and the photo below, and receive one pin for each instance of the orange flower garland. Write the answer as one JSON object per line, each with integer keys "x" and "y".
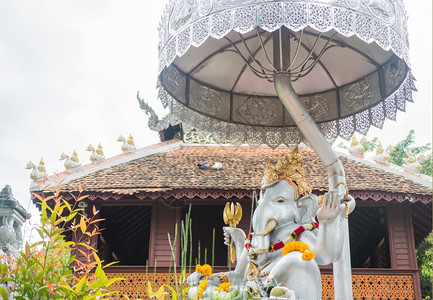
{"x": 308, "y": 255}
{"x": 225, "y": 286}
{"x": 301, "y": 247}
{"x": 201, "y": 288}
{"x": 206, "y": 270}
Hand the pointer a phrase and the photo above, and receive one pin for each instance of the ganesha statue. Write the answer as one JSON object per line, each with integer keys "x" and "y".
{"x": 294, "y": 232}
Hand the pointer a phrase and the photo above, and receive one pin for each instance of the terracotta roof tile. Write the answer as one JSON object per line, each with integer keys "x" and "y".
{"x": 242, "y": 170}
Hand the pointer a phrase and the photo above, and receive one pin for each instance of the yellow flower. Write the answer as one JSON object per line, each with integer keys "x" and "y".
{"x": 303, "y": 247}
{"x": 295, "y": 246}
{"x": 308, "y": 255}
{"x": 206, "y": 270}
{"x": 224, "y": 286}
{"x": 201, "y": 288}
{"x": 198, "y": 268}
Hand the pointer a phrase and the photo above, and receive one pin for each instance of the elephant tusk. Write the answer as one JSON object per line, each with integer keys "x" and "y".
{"x": 268, "y": 228}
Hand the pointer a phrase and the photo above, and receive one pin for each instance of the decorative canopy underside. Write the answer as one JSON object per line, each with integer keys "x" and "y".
{"x": 362, "y": 80}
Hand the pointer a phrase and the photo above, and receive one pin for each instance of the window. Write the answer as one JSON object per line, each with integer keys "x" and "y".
{"x": 125, "y": 234}
{"x": 368, "y": 232}
{"x": 204, "y": 219}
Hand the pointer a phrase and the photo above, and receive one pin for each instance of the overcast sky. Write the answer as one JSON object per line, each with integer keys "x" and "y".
{"x": 70, "y": 71}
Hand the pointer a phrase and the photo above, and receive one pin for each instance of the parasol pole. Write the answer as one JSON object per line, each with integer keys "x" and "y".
{"x": 283, "y": 86}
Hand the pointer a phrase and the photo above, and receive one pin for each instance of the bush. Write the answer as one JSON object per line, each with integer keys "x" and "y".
{"x": 48, "y": 268}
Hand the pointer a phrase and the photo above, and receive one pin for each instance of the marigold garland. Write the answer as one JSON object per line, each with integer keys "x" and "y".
{"x": 301, "y": 247}
{"x": 206, "y": 270}
{"x": 202, "y": 286}
{"x": 308, "y": 255}
{"x": 225, "y": 286}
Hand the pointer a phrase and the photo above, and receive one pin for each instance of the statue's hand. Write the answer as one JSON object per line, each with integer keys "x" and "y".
{"x": 233, "y": 234}
{"x": 331, "y": 207}
{"x": 193, "y": 279}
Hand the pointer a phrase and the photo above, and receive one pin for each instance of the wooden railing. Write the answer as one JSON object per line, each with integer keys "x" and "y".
{"x": 366, "y": 283}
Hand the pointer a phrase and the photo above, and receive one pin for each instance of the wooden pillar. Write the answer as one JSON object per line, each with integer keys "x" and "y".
{"x": 163, "y": 221}
{"x": 402, "y": 241}
{"x": 152, "y": 234}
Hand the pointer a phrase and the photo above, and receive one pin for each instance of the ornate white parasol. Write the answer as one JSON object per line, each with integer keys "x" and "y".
{"x": 230, "y": 67}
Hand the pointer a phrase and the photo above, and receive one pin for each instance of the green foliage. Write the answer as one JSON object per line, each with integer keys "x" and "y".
{"x": 48, "y": 269}
{"x": 399, "y": 155}
{"x": 424, "y": 254}
{"x": 427, "y": 165}
{"x": 342, "y": 145}
{"x": 369, "y": 146}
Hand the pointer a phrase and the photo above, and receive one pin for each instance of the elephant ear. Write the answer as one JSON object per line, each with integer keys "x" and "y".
{"x": 307, "y": 209}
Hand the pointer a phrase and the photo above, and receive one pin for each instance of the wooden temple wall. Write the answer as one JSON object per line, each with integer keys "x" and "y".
{"x": 164, "y": 220}
{"x": 367, "y": 284}
{"x": 401, "y": 281}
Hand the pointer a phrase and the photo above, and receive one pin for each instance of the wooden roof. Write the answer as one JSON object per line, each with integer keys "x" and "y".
{"x": 169, "y": 170}
{"x": 172, "y": 166}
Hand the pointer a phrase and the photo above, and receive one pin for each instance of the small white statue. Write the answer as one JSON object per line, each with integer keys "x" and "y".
{"x": 71, "y": 162}
{"x": 38, "y": 172}
{"x": 97, "y": 154}
{"x": 356, "y": 147}
{"x": 9, "y": 239}
{"x": 128, "y": 145}
{"x": 412, "y": 164}
{"x": 383, "y": 155}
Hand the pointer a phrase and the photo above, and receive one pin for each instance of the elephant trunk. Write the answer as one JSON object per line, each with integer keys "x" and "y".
{"x": 268, "y": 228}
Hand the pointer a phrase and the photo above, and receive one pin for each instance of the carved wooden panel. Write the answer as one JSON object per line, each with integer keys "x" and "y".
{"x": 365, "y": 287}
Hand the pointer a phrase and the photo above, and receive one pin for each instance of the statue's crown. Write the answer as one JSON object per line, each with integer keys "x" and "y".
{"x": 291, "y": 169}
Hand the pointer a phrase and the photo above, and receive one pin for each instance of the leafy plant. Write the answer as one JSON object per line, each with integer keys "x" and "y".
{"x": 370, "y": 146}
{"x": 48, "y": 268}
{"x": 402, "y": 148}
{"x": 424, "y": 254}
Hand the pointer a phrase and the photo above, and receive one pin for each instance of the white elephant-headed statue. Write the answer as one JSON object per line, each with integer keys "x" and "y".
{"x": 294, "y": 232}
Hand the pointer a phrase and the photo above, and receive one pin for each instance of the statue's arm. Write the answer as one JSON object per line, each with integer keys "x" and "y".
{"x": 237, "y": 236}
{"x": 330, "y": 235}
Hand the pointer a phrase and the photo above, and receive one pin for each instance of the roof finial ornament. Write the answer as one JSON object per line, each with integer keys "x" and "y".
{"x": 412, "y": 164}
{"x": 71, "y": 162}
{"x": 37, "y": 172}
{"x": 128, "y": 145}
{"x": 383, "y": 156}
{"x": 154, "y": 123}
{"x": 356, "y": 147}
{"x": 6, "y": 193}
{"x": 97, "y": 154}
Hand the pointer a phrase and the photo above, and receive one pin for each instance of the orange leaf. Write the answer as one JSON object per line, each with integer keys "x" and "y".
{"x": 82, "y": 197}
{"x": 38, "y": 196}
{"x": 96, "y": 221}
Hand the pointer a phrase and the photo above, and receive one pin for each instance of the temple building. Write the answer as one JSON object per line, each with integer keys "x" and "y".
{"x": 142, "y": 195}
